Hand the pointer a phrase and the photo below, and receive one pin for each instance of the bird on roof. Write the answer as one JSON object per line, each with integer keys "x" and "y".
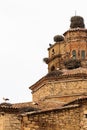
{"x": 5, "y": 99}
{"x": 50, "y": 44}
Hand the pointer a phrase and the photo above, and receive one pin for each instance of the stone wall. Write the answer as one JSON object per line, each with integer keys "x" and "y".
{"x": 66, "y": 119}
{"x": 9, "y": 122}
{"x": 1, "y": 122}
{"x": 83, "y": 117}
{"x": 62, "y": 88}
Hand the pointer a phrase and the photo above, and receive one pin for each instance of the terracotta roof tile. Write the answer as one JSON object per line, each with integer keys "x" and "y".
{"x": 24, "y": 104}
{"x": 41, "y": 105}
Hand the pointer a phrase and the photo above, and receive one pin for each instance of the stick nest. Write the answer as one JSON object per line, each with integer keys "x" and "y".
{"x": 77, "y": 21}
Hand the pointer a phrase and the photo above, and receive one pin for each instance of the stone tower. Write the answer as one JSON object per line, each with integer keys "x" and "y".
{"x": 67, "y": 66}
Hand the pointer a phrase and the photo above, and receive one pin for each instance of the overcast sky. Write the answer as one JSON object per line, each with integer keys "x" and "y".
{"x": 26, "y": 29}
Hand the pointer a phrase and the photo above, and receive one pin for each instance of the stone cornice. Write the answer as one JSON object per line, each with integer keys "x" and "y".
{"x": 44, "y": 80}
{"x": 75, "y": 29}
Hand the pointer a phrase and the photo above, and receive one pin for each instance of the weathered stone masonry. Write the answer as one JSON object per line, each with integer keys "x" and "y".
{"x": 9, "y": 119}
{"x": 64, "y": 119}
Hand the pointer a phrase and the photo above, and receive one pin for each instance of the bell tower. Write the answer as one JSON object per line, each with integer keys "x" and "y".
{"x": 76, "y": 42}
{"x": 69, "y": 48}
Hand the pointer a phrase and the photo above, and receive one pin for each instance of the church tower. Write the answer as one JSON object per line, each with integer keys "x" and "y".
{"x": 71, "y": 45}
{"x": 67, "y": 66}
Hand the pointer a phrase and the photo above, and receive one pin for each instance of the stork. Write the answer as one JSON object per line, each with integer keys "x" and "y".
{"x": 5, "y": 99}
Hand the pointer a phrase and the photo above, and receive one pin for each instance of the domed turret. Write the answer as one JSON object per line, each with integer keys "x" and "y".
{"x": 77, "y": 21}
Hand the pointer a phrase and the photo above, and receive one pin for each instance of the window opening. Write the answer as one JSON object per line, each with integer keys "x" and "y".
{"x": 85, "y": 115}
{"x": 52, "y": 68}
{"x": 53, "y": 52}
{"x": 83, "y": 54}
{"x": 74, "y": 54}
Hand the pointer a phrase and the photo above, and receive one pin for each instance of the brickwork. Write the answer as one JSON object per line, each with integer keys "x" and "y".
{"x": 73, "y": 40}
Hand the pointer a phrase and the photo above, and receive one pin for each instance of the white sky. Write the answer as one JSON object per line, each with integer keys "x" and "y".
{"x": 26, "y": 29}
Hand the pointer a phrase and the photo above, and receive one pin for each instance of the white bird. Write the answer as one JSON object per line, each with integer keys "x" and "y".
{"x": 34, "y": 103}
{"x": 5, "y": 99}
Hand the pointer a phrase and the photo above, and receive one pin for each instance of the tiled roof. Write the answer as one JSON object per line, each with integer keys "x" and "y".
{"x": 18, "y": 107}
{"x": 24, "y": 104}
{"x": 38, "y": 105}
{"x": 51, "y": 109}
{"x": 54, "y": 106}
{"x": 7, "y": 107}
{"x": 42, "y": 106}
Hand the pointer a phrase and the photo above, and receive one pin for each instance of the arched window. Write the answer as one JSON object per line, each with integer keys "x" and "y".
{"x": 83, "y": 54}
{"x": 74, "y": 54}
{"x": 52, "y": 68}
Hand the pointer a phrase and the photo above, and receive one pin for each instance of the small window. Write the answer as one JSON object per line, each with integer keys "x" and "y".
{"x": 85, "y": 115}
{"x": 83, "y": 54}
{"x": 53, "y": 52}
{"x": 74, "y": 54}
{"x": 52, "y": 68}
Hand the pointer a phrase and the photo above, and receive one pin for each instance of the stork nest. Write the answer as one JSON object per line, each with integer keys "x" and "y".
{"x": 54, "y": 73}
{"x": 77, "y": 21}
{"x": 4, "y": 104}
{"x": 46, "y": 60}
{"x": 72, "y": 63}
{"x": 58, "y": 38}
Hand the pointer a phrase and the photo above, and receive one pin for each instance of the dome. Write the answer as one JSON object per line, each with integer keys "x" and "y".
{"x": 77, "y": 21}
